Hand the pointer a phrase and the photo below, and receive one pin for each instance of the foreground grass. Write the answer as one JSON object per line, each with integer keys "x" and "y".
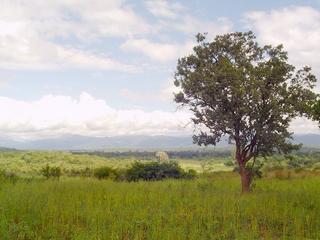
{"x": 207, "y": 208}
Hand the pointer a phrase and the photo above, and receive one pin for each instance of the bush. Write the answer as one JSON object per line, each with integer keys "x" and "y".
{"x": 156, "y": 171}
{"x": 86, "y": 172}
{"x": 120, "y": 174}
{"x": 229, "y": 163}
{"x": 103, "y": 172}
{"x": 55, "y": 172}
{"x": 48, "y": 172}
{"x": 190, "y": 174}
{"x": 8, "y": 176}
{"x": 45, "y": 171}
{"x": 294, "y": 163}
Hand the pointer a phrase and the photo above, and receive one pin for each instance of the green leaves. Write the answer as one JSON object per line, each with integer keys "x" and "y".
{"x": 314, "y": 109}
{"x": 249, "y": 92}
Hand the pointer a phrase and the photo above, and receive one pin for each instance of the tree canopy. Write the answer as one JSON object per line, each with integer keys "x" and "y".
{"x": 315, "y": 110}
{"x": 248, "y": 92}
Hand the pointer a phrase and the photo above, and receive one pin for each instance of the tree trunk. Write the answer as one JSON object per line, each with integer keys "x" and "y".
{"x": 244, "y": 172}
{"x": 245, "y": 179}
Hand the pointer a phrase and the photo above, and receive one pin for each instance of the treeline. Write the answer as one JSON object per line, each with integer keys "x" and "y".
{"x": 150, "y": 155}
{"x": 188, "y": 154}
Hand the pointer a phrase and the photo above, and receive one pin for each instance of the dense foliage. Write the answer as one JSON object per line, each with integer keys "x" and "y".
{"x": 315, "y": 110}
{"x": 250, "y": 93}
{"x": 103, "y": 172}
{"x": 51, "y": 172}
{"x": 150, "y": 155}
{"x": 157, "y": 171}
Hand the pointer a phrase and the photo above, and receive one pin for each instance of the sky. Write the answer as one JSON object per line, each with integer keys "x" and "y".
{"x": 105, "y": 67}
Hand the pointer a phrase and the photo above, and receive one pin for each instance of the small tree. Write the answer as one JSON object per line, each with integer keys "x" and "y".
{"x": 103, "y": 172}
{"x": 45, "y": 171}
{"x": 55, "y": 172}
{"x": 248, "y": 92}
{"x": 49, "y": 172}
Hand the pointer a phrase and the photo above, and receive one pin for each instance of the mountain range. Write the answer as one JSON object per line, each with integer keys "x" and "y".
{"x": 76, "y": 142}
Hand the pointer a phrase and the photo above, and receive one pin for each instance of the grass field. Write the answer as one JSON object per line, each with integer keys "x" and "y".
{"x": 206, "y": 208}
{"x": 284, "y": 204}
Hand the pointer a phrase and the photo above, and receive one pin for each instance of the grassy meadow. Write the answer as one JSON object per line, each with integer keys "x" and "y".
{"x": 206, "y": 208}
{"x": 284, "y": 204}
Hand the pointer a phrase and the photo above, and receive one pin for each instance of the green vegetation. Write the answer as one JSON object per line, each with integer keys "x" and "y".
{"x": 157, "y": 171}
{"x": 30, "y": 164}
{"x": 103, "y": 172}
{"x": 51, "y": 172}
{"x": 206, "y": 208}
{"x": 246, "y": 92}
{"x": 95, "y": 200}
{"x": 314, "y": 110}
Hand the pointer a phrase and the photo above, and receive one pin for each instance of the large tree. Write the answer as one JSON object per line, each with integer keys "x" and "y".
{"x": 249, "y": 93}
{"x": 315, "y": 110}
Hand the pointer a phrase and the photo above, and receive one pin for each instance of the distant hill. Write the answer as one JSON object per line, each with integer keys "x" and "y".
{"x": 7, "y": 149}
{"x": 75, "y": 142}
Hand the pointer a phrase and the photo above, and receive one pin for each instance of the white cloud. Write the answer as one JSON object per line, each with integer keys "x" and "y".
{"x": 58, "y": 115}
{"x": 29, "y": 30}
{"x": 173, "y": 18}
{"x": 81, "y": 18}
{"x": 53, "y": 116}
{"x": 4, "y": 84}
{"x": 304, "y": 126}
{"x": 184, "y": 21}
{"x": 34, "y": 53}
{"x": 297, "y": 27}
{"x": 156, "y": 50}
{"x": 162, "y": 8}
{"x": 165, "y": 94}
{"x": 191, "y": 25}
{"x": 34, "y": 34}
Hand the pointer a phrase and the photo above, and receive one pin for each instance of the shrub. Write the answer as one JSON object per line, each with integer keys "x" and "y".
{"x": 190, "y": 174}
{"x": 294, "y": 163}
{"x": 45, "y": 171}
{"x": 8, "y": 176}
{"x": 86, "y": 172}
{"x": 103, "y": 172}
{"x": 156, "y": 171}
{"x": 48, "y": 172}
{"x": 55, "y": 172}
{"x": 120, "y": 174}
{"x": 229, "y": 163}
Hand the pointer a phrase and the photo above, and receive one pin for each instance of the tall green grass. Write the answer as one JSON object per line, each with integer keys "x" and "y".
{"x": 207, "y": 208}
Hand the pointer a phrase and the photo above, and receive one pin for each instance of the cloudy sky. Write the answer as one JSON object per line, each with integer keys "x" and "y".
{"x": 105, "y": 67}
